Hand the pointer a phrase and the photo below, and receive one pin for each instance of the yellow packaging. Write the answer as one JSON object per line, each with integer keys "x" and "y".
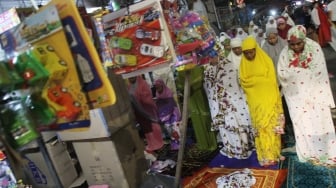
{"x": 95, "y": 81}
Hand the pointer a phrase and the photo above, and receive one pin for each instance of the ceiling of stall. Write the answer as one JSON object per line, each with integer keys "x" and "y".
{"x": 8, "y": 4}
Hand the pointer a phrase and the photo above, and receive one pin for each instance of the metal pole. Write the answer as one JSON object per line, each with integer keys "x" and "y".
{"x": 217, "y": 18}
{"x": 183, "y": 129}
{"x": 48, "y": 161}
{"x": 34, "y": 4}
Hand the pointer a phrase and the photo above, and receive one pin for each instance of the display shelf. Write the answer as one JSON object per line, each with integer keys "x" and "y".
{"x": 145, "y": 70}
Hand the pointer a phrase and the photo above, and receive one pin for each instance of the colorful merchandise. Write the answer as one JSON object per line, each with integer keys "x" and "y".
{"x": 17, "y": 123}
{"x": 104, "y": 51}
{"x": 95, "y": 83}
{"x": 9, "y": 19}
{"x": 7, "y": 178}
{"x": 47, "y": 71}
{"x": 195, "y": 41}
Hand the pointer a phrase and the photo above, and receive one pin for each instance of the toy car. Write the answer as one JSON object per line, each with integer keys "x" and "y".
{"x": 143, "y": 34}
{"x": 151, "y": 15}
{"x": 120, "y": 42}
{"x": 151, "y": 50}
{"x": 125, "y": 60}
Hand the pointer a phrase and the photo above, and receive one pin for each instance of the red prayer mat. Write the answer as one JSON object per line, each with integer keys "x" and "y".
{"x": 206, "y": 178}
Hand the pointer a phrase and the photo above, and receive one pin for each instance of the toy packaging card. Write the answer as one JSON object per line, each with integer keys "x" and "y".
{"x": 104, "y": 50}
{"x": 9, "y": 19}
{"x": 94, "y": 78}
{"x": 138, "y": 37}
{"x": 7, "y": 178}
{"x": 41, "y": 60}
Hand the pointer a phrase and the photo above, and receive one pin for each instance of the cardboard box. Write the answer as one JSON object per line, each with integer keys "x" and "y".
{"x": 97, "y": 129}
{"x": 38, "y": 172}
{"x": 117, "y": 162}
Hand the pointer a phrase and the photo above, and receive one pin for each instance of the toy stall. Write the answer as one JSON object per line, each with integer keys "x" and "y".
{"x": 66, "y": 115}
{"x": 156, "y": 40}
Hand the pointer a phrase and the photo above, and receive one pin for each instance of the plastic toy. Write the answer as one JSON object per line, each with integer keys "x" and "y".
{"x": 5, "y": 78}
{"x": 151, "y": 50}
{"x": 17, "y": 80}
{"x": 40, "y": 110}
{"x": 195, "y": 37}
{"x": 84, "y": 67}
{"x": 31, "y": 70}
{"x": 125, "y": 60}
{"x": 51, "y": 61}
{"x": 17, "y": 123}
{"x": 66, "y": 107}
{"x": 120, "y": 42}
{"x": 146, "y": 34}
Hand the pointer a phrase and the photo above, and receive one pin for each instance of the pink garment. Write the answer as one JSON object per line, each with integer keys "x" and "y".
{"x": 154, "y": 138}
{"x": 142, "y": 96}
{"x": 166, "y": 92}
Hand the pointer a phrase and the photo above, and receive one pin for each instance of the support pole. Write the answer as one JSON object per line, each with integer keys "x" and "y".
{"x": 183, "y": 129}
{"x": 49, "y": 163}
{"x": 33, "y": 2}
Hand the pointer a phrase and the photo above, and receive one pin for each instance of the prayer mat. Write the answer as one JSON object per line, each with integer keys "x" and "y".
{"x": 206, "y": 178}
{"x": 158, "y": 180}
{"x": 193, "y": 160}
{"x": 307, "y": 175}
{"x": 226, "y": 162}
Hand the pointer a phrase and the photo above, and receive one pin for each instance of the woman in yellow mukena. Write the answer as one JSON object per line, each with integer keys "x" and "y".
{"x": 258, "y": 80}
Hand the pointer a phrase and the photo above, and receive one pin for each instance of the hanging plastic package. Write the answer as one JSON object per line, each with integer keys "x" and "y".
{"x": 195, "y": 41}
{"x": 17, "y": 124}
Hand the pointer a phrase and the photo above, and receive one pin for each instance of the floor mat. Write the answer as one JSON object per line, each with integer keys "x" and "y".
{"x": 306, "y": 175}
{"x": 223, "y": 161}
{"x": 206, "y": 178}
{"x": 193, "y": 159}
{"x": 158, "y": 181}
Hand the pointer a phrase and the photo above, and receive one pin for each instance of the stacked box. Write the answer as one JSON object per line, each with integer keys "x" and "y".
{"x": 118, "y": 161}
{"x": 121, "y": 113}
{"x": 37, "y": 169}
